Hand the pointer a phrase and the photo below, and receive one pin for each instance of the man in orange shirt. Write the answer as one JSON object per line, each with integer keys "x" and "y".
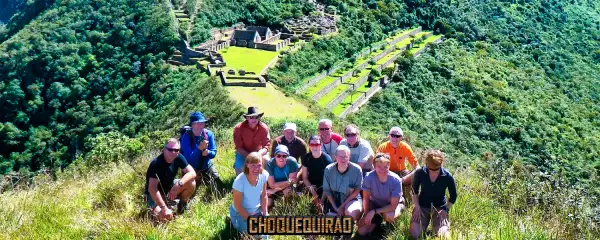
{"x": 399, "y": 151}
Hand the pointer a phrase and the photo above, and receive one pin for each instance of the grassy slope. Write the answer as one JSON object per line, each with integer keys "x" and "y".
{"x": 270, "y": 100}
{"x": 251, "y": 60}
{"x": 107, "y": 205}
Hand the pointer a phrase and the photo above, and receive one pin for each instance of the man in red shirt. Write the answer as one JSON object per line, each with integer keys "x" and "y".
{"x": 251, "y": 135}
{"x": 329, "y": 139}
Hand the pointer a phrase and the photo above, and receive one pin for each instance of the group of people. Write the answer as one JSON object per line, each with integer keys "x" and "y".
{"x": 342, "y": 175}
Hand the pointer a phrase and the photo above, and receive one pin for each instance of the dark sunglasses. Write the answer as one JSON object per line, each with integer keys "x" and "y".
{"x": 315, "y": 144}
{"x": 253, "y": 117}
{"x": 324, "y": 129}
{"x": 350, "y": 134}
{"x": 173, "y": 150}
{"x": 396, "y": 135}
{"x": 281, "y": 156}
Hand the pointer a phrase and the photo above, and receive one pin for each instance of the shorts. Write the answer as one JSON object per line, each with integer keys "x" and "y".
{"x": 239, "y": 162}
{"x": 150, "y": 202}
{"x": 238, "y": 222}
{"x": 427, "y": 215}
{"x": 354, "y": 204}
{"x": 378, "y": 218}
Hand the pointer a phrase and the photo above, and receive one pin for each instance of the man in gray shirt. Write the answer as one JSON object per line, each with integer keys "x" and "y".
{"x": 342, "y": 181}
{"x": 360, "y": 149}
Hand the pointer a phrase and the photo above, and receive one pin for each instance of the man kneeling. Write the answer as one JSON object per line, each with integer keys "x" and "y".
{"x": 161, "y": 183}
{"x": 382, "y": 196}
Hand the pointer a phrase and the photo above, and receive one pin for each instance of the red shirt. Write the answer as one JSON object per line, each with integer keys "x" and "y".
{"x": 250, "y": 139}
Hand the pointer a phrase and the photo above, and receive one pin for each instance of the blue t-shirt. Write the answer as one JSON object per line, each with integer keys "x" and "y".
{"x": 382, "y": 193}
{"x": 250, "y": 194}
{"x": 282, "y": 174}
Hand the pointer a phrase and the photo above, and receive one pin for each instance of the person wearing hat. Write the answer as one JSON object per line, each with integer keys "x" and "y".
{"x": 282, "y": 170}
{"x": 296, "y": 145}
{"x": 398, "y": 151}
{"x": 199, "y": 148}
{"x": 251, "y": 135}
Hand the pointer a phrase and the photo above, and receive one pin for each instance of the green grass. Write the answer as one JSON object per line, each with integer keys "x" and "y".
{"x": 271, "y": 101}
{"x": 106, "y": 204}
{"x": 338, "y": 109}
{"x": 321, "y": 84}
{"x": 323, "y": 101}
{"x": 249, "y": 59}
{"x": 326, "y": 81}
{"x": 424, "y": 43}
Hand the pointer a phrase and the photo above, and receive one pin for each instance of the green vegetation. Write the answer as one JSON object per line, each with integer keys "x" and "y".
{"x": 338, "y": 109}
{"x": 249, "y": 59}
{"x": 323, "y": 101}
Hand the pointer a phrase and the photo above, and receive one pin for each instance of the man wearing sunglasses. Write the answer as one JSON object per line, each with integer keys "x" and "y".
{"x": 251, "y": 135}
{"x": 361, "y": 151}
{"x": 399, "y": 151}
{"x": 330, "y": 140}
{"x": 162, "y": 185}
{"x": 283, "y": 170}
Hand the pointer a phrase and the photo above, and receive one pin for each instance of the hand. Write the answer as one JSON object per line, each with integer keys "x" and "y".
{"x": 203, "y": 145}
{"x": 366, "y": 220}
{"x": 442, "y": 213}
{"x": 416, "y": 217}
{"x": 166, "y": 214}
{"x": 287, "y": 190}
{"x": 173, "y": 193}
{"x": 205, "y": 153}
{"x": 340, "y": 210}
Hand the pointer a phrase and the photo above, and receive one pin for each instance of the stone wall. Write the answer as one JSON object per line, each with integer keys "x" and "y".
{"x": 318, "y": 78}
{"x": 363, "y": 97}
{"x": 339, "y": 98}
{"x": 326, "y": 89}
{"x": 254, "y": 81}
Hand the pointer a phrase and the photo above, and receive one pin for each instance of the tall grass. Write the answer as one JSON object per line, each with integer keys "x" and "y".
{"x": 106, "y": 203}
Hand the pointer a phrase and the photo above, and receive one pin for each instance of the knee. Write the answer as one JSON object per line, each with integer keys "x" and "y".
{"x": 388, "y": 218}
{"x": 415, "y": 230}
{"x": 191, "y": 184}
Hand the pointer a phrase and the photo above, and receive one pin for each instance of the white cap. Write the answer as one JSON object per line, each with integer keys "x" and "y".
{"x": 291, "y": 126}
{"x": 398, "y": 130}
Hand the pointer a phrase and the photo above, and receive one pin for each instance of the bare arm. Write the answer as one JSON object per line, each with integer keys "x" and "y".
{"x": 237, "y": 202}
{"x": 366, "y": 196}
{"x": 155, "y": 194}
{"x": 278, "y": 186}
{"x": 264, "y": 201}
{"x": 390, "y": 207}
{"x": 189, "y": 174}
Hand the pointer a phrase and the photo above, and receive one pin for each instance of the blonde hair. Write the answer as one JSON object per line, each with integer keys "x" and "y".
{"x": 434, "y": 158}
{"x": 381, "y": 158}
{"x": 253, "y": 157}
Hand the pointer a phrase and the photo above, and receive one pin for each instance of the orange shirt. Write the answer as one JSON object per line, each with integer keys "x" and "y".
{"x": 397, "y": 155}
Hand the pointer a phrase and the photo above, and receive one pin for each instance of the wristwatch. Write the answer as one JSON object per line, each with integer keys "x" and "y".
{"x": 180, "y": 183}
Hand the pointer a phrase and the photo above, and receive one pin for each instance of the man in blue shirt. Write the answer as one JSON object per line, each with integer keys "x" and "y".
{"x": 199, "y": 148}
{"x": 283, "y": 170}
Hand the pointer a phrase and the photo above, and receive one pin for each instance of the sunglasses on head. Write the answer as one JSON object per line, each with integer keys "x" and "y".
{"x": 324, "y": 129}
{"x": 350, "y": 134}
{"x": 396, "y": 135}
{"x": 174, "y": 150}
{"x": 281, "y": 156}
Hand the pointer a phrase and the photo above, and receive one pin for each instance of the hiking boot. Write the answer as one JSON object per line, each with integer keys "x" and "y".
{"x": 182, "y": 207}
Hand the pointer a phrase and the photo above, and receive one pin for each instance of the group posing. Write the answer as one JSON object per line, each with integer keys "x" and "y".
{"x": 343, "y": 175}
